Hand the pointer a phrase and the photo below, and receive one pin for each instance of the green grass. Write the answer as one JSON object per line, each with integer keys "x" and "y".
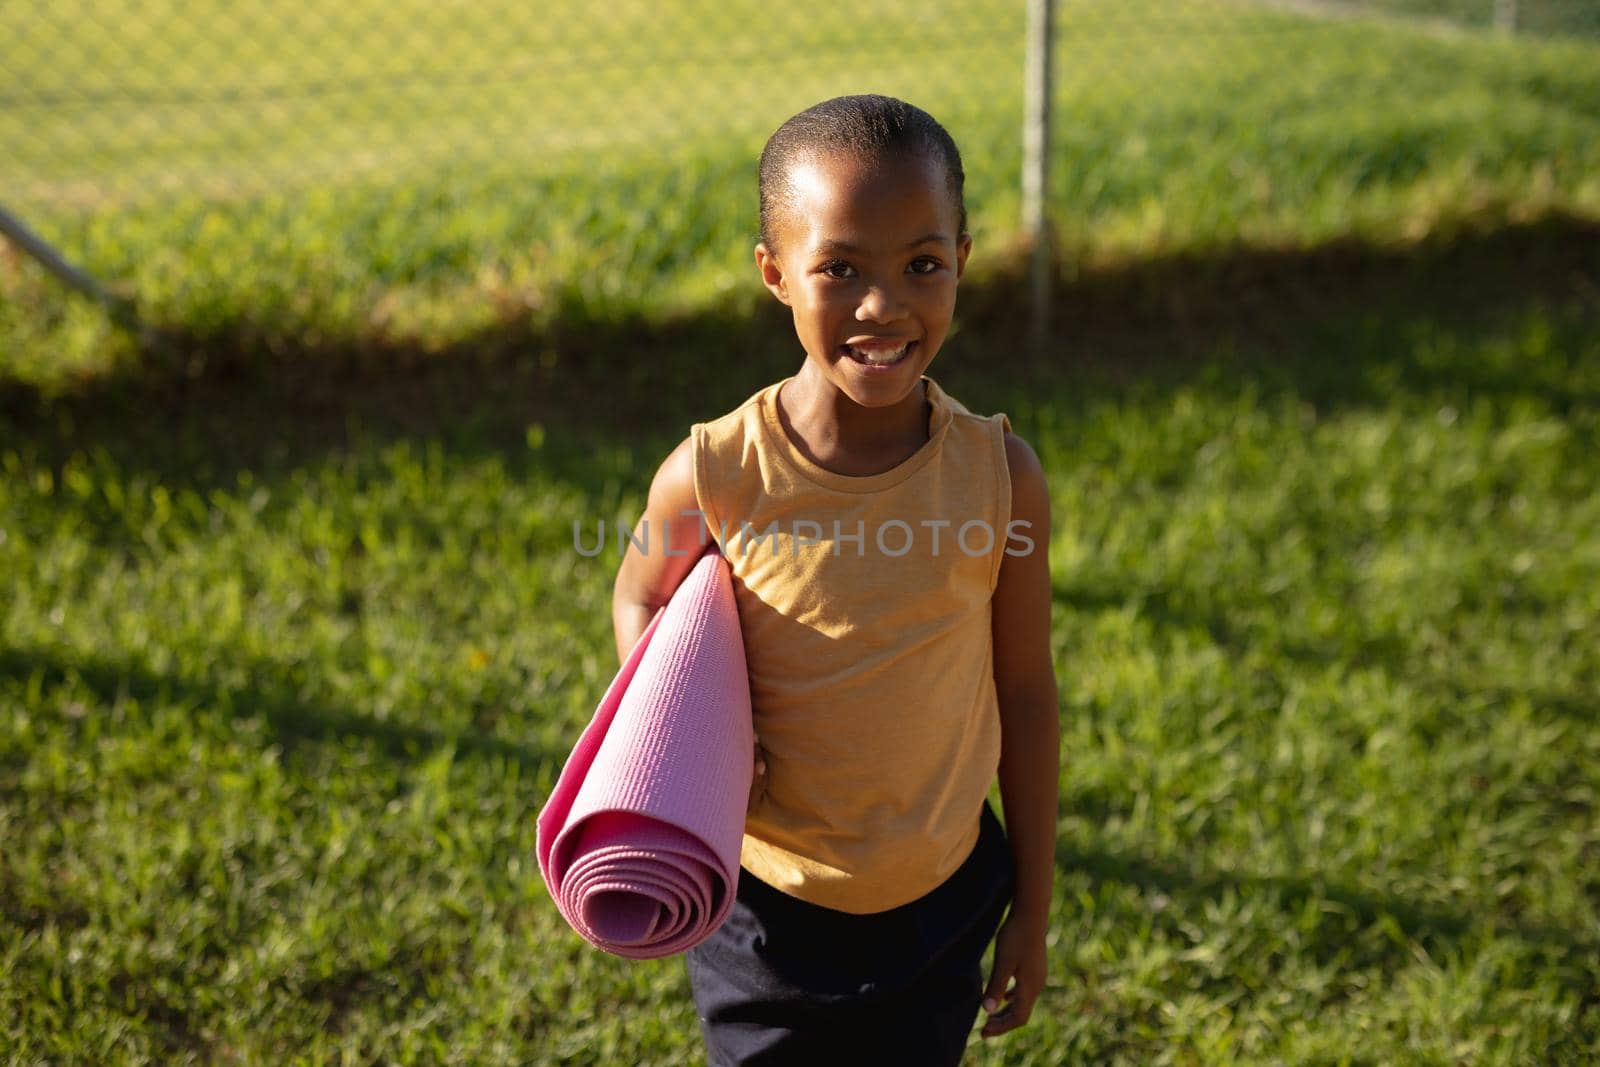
{"x": 421, "y": 201}
{"x": 278, "y": 702}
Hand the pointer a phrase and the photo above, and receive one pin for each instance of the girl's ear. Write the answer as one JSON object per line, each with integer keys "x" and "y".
{"x": 771, "y": 272}
{"x": 963, "y": 247}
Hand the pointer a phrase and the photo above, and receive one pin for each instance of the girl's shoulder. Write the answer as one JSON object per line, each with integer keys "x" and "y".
{"x": 732, "y": 430}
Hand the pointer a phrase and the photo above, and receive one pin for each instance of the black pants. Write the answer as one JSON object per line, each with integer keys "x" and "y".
{"x": 783, "y": 981}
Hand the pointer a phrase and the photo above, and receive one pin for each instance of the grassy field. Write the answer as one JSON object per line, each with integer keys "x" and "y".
{"x": 280, "y": 695}
{"x": 427, "y": 210}
{"x": 294, "y": 639}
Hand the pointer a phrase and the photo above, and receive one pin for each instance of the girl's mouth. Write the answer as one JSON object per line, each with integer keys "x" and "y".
{"x": 878, "y": 356}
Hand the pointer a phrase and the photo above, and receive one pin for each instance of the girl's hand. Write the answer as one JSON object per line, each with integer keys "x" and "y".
{"x": 758, "y": 780}
{"x": 1019, "y": 953}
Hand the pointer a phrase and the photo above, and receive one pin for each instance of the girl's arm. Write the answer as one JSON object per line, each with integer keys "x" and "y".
{"x": 647, "y": 578}
{"x": 1030, "y": 744}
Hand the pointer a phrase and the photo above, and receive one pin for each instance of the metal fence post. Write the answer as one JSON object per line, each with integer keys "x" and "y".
{"x": 13, "y": 229}
{"x": 1036, "y": 164}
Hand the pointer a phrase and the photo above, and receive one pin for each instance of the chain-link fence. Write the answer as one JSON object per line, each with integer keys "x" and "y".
{"x": 587, "y": 136}
{"x": 125, "y": 101}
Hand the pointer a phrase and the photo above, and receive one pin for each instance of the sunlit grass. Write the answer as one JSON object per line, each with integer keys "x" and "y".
{"x": 1179, "y": 127}
{"x": 273, "y": 732}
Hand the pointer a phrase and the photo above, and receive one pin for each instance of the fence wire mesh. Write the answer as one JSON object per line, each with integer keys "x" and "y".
{"x": 559, "y": 119}
{"x": 128, "y": 100}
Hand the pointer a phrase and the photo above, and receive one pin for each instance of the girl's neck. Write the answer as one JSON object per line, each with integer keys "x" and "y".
{"x": 840, "y": 435}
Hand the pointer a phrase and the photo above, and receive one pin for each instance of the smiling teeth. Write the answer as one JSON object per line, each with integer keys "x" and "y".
{"x": 878, "y": 355}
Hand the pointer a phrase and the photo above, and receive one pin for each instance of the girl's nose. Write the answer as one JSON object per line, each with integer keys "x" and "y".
{"x": 879, "y": 305}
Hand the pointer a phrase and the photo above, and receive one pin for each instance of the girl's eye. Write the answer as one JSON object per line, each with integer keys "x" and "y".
{"x": 837, "y": 269}
{"x": 924, "y": 265}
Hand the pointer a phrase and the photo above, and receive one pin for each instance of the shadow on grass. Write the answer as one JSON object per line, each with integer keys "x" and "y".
{"x": 291, "y": 719}
{"x": 1242, "y": 627}
{"x": 1356, "y": 928}
{"x": 1343, "y": 324}
{"x": 156, "y": 988}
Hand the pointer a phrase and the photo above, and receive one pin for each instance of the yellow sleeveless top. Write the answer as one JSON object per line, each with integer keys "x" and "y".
{"x": 865, "y": 608}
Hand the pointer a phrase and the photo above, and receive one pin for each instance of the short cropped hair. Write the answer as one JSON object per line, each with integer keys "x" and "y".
{"x": 870, "y": 126}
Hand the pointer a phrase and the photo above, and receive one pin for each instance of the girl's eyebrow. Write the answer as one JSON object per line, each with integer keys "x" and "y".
{"x": 848, "y": 249}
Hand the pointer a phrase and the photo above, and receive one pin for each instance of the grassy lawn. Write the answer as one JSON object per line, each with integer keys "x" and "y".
{"x": 280, "y": 694}
{"x": 293, "y": 643}
{"x": 425, "y": 210}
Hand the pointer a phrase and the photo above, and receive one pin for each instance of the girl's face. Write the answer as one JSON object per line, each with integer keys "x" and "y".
{"x": 868, "y": 255}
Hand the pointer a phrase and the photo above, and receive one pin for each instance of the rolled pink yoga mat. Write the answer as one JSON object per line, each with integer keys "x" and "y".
{"x": 639, "y": 842}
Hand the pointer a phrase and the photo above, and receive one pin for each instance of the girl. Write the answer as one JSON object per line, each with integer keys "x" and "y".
{"x": 889, "y": 553}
